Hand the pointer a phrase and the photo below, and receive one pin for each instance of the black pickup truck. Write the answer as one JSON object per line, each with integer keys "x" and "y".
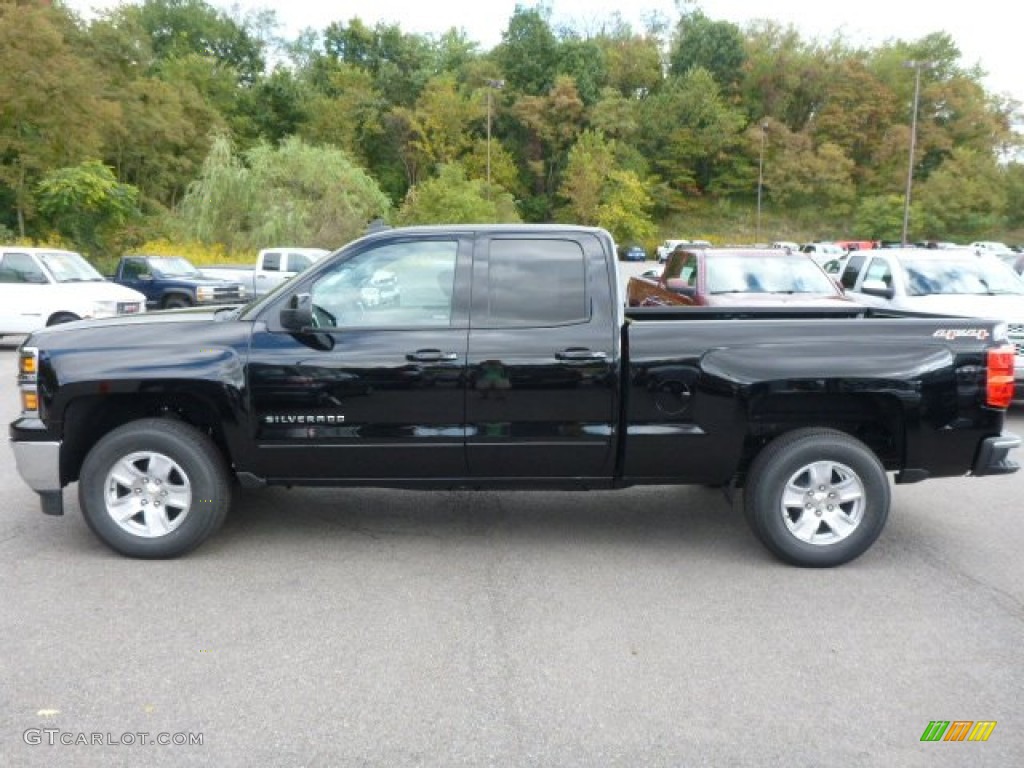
{"x": 502, "y": 356}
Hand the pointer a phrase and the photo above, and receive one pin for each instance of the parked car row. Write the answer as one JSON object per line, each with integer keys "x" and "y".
{"x": 40, "y": 287}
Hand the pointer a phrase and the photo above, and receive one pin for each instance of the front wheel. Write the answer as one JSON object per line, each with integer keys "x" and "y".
{"x": 176, "y": 302}
{"x": 154, "y": 488}
{"x": 817, "y": 497}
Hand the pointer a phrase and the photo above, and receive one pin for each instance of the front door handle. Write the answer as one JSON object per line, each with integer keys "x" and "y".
{"x": 580, "y": 353}
{"x": 431, "y": 356}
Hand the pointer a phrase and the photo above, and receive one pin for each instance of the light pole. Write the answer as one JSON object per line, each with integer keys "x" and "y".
{"x": 491, "y": 85}
{"x": 760, "y": 183}
{"x": 917, "y": 67}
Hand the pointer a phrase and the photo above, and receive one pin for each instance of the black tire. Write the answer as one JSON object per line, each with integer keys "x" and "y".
{"x": 788, "y": 505}
{"x": 176, "y": 301}
{"x": 173, "y": 470}
{"x": 62, "y": 317}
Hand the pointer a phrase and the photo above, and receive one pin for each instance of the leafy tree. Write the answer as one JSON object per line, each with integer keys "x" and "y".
{"x": 691, "y": 132}
{"x": 965, "y": 197}
{"x": 633, "y": 62}
{"x": 552, "y": 123}
{"x": 528, "y": 52}
{"x": 584, "y": 62}
{"x": 880, "y": 217}
{"x": 292, "y": 193}
{"x": 86, "y": 204}
{"x": 715, "y": 46}
{"x": 591, "y": 163}
{"x": 437, "y": 128}
{"x": 451, "y": 198}
{"x": 400, "y": 63}
{"x": 626, "y": 209}
{"x": 40, "y": 73}
{"x": 178, "y": 28}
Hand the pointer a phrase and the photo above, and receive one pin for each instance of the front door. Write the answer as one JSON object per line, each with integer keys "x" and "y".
{"x": 376, "y": 390}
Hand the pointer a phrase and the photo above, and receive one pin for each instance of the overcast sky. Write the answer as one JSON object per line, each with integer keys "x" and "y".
{"x": 981, "y": 29}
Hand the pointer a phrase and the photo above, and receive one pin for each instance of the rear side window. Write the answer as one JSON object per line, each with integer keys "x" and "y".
{"x": 272, "y": 262}
{"x": 534, "y": 283}
{"x": 850, "y": 272}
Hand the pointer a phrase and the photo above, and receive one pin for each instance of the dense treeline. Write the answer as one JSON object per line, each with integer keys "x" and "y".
{"x": 174, "y": 119}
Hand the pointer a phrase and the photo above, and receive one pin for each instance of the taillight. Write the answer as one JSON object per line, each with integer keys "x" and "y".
{"x": 999, "y": 377}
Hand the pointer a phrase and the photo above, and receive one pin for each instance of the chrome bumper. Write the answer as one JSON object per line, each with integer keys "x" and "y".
{"x": 38, "y": 464}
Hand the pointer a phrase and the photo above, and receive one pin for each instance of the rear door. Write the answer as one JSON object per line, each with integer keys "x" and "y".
{"x": 542, "y": 383}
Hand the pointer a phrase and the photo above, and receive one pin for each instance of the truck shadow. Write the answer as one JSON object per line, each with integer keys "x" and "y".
{"x": 690, "y": 519}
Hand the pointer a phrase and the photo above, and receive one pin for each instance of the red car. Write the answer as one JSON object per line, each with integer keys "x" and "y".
{"x": 737, "y": 277}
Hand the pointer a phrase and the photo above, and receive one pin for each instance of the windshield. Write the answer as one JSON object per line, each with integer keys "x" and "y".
{"x": 766, "y": 274}
{"x": 929, "y": 275}
{"x": 67, "y": 267}
{"x": 174, "y": 266}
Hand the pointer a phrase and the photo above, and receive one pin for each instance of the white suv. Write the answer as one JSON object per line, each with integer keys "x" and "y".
{"x": 46, "y": 286}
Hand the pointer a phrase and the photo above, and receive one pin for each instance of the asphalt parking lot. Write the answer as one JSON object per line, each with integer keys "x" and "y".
{"x": 643, "y": 627}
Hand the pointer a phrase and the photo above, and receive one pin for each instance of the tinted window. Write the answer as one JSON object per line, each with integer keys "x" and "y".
{"x": 853, "y": 265}
{"x": 298, "y": 262}
{"x": 535, "y": 282}
{"x": 272, "y": 262}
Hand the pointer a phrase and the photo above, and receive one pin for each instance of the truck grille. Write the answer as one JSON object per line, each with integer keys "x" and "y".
{"x": 129, "y": 307}
{"x": 230, "y": 294}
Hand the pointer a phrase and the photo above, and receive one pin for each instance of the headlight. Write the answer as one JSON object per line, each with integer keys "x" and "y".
{"x": 104, "y": 308}
{"x": 205, "y": 293}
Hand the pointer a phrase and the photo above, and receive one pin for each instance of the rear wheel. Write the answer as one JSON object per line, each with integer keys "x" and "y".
{"x": 817, "y": 497}
{"x": 154, "y": 488}
{"x": 62, "y": 317}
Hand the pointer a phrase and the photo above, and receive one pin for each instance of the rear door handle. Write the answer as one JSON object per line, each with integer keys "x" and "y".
{"x": 580, "y": 353}
{"x": 431, "y": 356}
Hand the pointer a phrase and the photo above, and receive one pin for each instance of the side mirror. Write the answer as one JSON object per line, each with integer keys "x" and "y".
{"x": 877, "y": 288}
{"x": 297, "y": 316}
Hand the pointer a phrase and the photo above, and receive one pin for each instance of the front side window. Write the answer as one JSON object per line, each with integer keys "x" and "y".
{"x": 395, "y": 285}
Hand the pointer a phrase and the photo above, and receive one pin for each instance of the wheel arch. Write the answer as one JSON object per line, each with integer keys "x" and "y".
{"x": 87, "y": 419}
{"x": 877, "y": 420}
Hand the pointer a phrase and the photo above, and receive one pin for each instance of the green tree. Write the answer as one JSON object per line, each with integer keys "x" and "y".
{"x": 451, "y": 198}
{"x": 178, "y": 28}
{"x": 691, "y": 133}
{"x": 587, "y": 173}
{"x": 53, "y": 112}
{"x": 86, "y": 204}
{"x": 965, "y": 197}
{"x": 715, "y": 46}
{"x": 291, "y": 193}
{"x": 626, "y": 208}
{"x": 528, "y": 52}
{"x": 436, "y": 130}
{"x": 880, "y": 217}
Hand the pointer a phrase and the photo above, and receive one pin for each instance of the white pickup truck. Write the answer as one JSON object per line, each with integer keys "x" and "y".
{"x": 47, "y": 286}
{"x": 273, "y": 267}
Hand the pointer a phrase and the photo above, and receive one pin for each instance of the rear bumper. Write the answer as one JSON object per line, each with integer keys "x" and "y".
{"x": 993, "y": 455}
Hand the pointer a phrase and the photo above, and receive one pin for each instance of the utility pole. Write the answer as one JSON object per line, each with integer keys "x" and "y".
{"x": 491, "y": 86}
{"x": 917, "y": 67}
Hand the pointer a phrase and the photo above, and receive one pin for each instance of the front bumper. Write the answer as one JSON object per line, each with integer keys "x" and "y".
{"x": 992, "y": 458}
{"x": 38, "y": 464}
